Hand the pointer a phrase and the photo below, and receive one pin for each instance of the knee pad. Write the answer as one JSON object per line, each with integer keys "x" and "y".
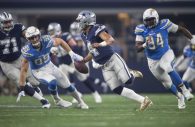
{"x": 118, "y": 90}
{"x": 167, "y": 67}
{"x": 52, "y": 86}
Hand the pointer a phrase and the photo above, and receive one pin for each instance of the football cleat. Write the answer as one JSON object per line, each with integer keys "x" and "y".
{"x": 97, "y": 97}
{"x": 188, "y": 95}
{"x": 181, "y": 102}
{"x": 145, "y": 104}
{"x": 136, "y": 73}
{"x": 83, "y": 106}
{"x": 45, "y": 103}
{"x": 63, "y": 103}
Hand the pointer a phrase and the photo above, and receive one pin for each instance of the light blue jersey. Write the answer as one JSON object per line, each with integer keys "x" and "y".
{"x": 188, "y": 52}
{"x": 38, "y": 58}
{"x": 157, "y": 43}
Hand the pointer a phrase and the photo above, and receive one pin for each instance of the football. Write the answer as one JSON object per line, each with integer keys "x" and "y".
{"x": 81, "y": 67}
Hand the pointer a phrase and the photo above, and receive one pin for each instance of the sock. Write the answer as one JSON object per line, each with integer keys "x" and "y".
{"x": 31, "y": 92}
{"x": 128, "y": 93}
{"x": 186, "y": 84}
{"x": 76, "y": 95}
{"x": 52, "y": 87}
{"x": 37, "y": 96}
{"x": 89, "y": 83}
{"x": 174, "y": 90}
{"x": 176, "y": 79}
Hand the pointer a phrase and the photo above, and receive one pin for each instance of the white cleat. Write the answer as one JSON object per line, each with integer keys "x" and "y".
{"x": 136, "y": 73}
{"x": 145, "y": 104}
{"x": 83, "y": 106}
{"x": 63, "y": 103}
{"x": 97, "y": 97}
{"x": 181, "y": 102}
{"x": 188, "y": 95}
{"x": 45, "y": 104}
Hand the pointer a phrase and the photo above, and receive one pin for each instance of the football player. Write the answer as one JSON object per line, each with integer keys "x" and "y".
{"x": 189, "y": 74}
{"x": 82, "y": 50}
{"x": 115, "y": 70}
{"x": 152, "y": 36}
{"x": 65, "y": 63}
{"x": 36, "y": 53}
{"x": 10, "y": 51}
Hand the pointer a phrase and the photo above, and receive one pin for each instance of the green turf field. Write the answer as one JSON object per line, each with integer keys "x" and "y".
{"x": 115, "y": 111}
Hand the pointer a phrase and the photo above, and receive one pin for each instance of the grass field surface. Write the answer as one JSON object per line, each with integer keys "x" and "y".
{"x": 115, "y": 111}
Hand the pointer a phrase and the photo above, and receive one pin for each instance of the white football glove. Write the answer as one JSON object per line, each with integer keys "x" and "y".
{"x": 193, "y": 40}
{"x": 96, "y": 65}
{"x": 22, "y": 93}
{"x": 75, "y": 57}
{"x": 54, "y": 50}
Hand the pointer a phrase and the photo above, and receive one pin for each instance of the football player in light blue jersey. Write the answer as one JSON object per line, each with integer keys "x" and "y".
{"x": 152, "y": 37}
{"x": 66, "y": 65}
{"x": 11, "y": 35}
{"x": 189, "y": 74}
{"x": 36, "y": 53}
{"x": 115, "y": 70}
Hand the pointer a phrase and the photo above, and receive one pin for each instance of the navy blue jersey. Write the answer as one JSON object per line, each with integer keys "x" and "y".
{"x": 188, "y": 52}
{"x": 38, "y": 58}
{"x": 63, "y": 57}
{"x": 11, "y": 44}
{"x": 101, "y": 54}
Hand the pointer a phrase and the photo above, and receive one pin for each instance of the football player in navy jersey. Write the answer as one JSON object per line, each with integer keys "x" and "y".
{"x": 82, "y": 50}
{"x": 65, "y": 62}
{"x": 10, "y": 51}
{"x": 152, "y": 37}
{"x": 115, "y": 70}
{"x": 36, "y": 54}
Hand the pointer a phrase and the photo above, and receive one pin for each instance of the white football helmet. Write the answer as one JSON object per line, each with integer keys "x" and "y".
{"x": 31, "y": 33}
{"x": 149, "y": 15}
{"x": 86, "y": 18}
{"x": 54, "y": 29}
{"x": 6, "y": 21}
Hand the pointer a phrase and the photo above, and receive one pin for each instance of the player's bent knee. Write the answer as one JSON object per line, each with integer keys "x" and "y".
{"x": 130, "y": 80}
{"x": 166, "y": 67}
{"x": 118, "y": 90}
{"x": 52, "y": 85}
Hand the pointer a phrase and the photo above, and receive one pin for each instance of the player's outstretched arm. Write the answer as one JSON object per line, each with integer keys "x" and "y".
{"x": 66, "y": 47}
{"x": 107, "y": 40}
{"x": 187, "y": 33}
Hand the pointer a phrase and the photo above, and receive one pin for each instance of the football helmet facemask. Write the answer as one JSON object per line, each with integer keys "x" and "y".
{"x": 150, "y": 18}
{"x": 6, "y": 21}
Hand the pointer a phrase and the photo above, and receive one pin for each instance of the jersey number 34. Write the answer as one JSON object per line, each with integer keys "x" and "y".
{"x": 153, "y": 42}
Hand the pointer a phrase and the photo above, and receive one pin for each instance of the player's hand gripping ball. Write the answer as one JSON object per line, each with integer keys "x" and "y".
{"x": 81, "y": 67}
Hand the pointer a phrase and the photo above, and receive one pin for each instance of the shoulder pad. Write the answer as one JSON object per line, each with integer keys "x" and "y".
{"x": 19, "y": 25}
{"x": 46, "y": 38}
{"x": 165, "y": 23}
{"x": 99, "y": 28}
{"x": 139, "y": 29}
{"x": 25, "y": 51}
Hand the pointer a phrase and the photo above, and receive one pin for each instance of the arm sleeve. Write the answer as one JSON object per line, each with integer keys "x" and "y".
{"x": 139, "y": 38}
